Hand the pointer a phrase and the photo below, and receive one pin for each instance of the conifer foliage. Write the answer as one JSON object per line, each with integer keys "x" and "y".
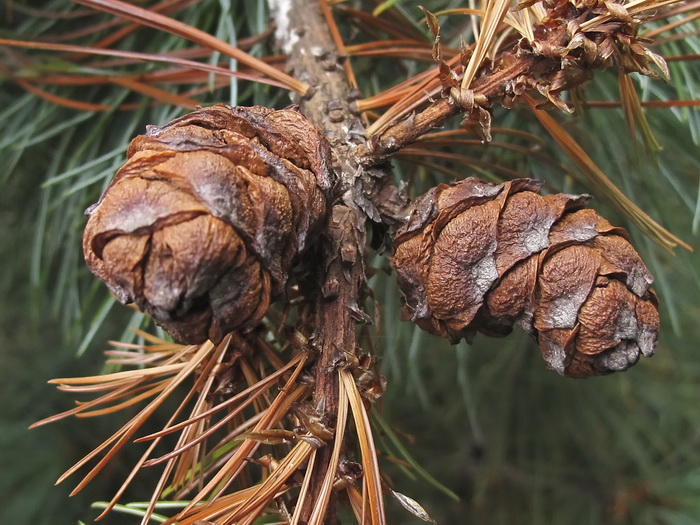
{"x": 251, "y": 234}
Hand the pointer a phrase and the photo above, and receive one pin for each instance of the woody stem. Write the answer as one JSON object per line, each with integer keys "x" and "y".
{"x": 340, "y": 279}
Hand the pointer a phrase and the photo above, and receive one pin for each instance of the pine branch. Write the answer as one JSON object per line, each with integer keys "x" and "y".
{"x": 341, "y": 280}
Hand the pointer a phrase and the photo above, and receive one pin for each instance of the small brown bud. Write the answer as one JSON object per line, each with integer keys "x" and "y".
{"x": 200, "y": 226}
{"x": 474, "y": 256}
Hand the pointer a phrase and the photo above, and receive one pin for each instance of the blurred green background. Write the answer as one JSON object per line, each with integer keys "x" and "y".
{"x": 515, "y": 442}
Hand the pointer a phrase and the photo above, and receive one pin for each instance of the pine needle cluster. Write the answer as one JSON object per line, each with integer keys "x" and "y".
{"x": 234, "y": 432}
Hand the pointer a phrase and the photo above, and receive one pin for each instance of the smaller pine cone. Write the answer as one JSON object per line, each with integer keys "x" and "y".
{"x": 475, "y": 256}
{"x": 201, "y": 225}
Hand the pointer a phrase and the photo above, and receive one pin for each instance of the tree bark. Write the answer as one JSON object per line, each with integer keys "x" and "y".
{"x": 341, "y": 280}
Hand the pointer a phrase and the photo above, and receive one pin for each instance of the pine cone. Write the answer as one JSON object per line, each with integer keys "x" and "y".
{"x": 475, "y": 256}
{"x": 202, "y": 223}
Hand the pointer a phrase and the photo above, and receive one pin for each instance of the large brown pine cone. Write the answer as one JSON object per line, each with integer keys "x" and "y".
{"x": 200, "y": 226}
{"x": 475, "y": 256}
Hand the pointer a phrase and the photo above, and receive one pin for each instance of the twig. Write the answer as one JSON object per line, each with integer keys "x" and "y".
{"x": 488, "y": 88}
{"x": 340, "y": 283}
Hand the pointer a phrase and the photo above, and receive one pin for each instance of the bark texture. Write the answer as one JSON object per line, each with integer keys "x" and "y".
{"x": 478, "y": 257}
{"x": 359, "y": 193}
{"x": 201, "y": 226}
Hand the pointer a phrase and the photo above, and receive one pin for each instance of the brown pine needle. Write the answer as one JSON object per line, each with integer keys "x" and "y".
{"x": 414, "y": 53}
{"x": 468, "y": 161}
{"x": 229, "y": 502}
{"x": 124, "y": 390}
{"x": 132, "y": 474}
{"x": 170, "y": 25}
{"x": 186, "y": 436}
{"x": 252, "y": 516}
{"x": 304, "y": 489}
{"x": 411, "y": 101}
{"x": 126, "y": 482}
{"x": 355, "y": 499}
{"x": 128, "y": 374}
{"x": 167, "y": 7}
{"x": 672, "y": 25}
{"x": 156, "y": 93}
{"x": 252, "y": 379}
{"x": 152, "y": 338}
{"x": 206, "y": 464}
{"x": 495, "y": 130}
{"x": 634, "y": 114}
{"x": 227, "y": 473}
{"x": 420, "y": 83}
{"x": 264, "y": 383}
{"x": 132, "y": 400}
{"x": 98, "y": 387}
{"x": 398, "y": 29}
{"x": 634, "y": 8}
{"x": 338, "y": 41}
{"x": 132, "y": 358}
{"x": 140, "y": 57}
{"x": 605, "y": 186}
{"x": 122, "y": 384}
{"x": 271, "y": 355}
{"x": 178, "y": 450}
{"x": 165, "y": 347}
{"x": 318, "y": 515}
{"x": 495, "y": 13}
{"x": 61, "y": 101}
{"x": 124, "y": 434}
{"x": 269, "y": 488}
{"x": 271, "y": 417}
{"x": 688, "y": 6}
{"x": 205, "y": 377}
{"x": 373, "y": 500}
{"x": 380, "y": 45}
{"x": 460, "y": 11}
{"x": 431, "y": 141}
{"x": 645, "y": 104}
{"x": 386, "y": 98}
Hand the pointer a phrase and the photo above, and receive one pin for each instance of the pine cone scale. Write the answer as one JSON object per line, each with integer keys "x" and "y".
{"x": 201, "y": 225}
{"x": 510, "y": 299}
{"x": 523, "y": 228}
{"x": 565, "y": 282}
{"x": 143, "y": 203}
{"x": 625, "y": 260}
{"x": 480, "y": 257}
{"x": 460, "y": 248}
